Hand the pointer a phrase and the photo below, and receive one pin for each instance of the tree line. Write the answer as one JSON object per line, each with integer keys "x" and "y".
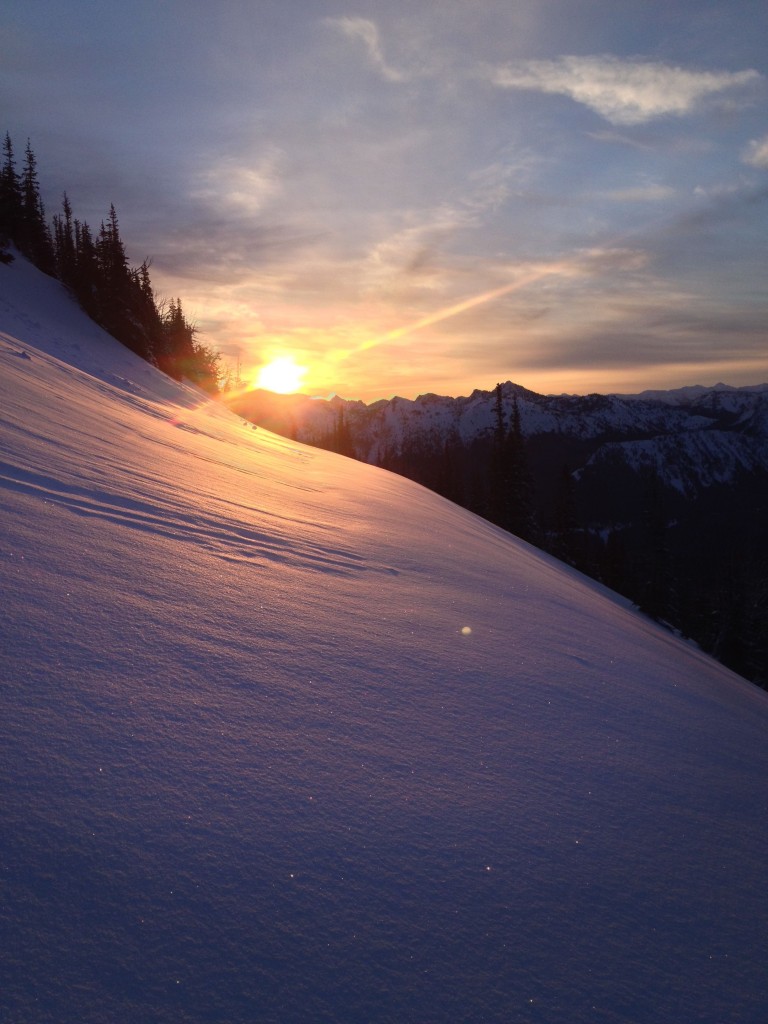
{"x": 95, "y": 268}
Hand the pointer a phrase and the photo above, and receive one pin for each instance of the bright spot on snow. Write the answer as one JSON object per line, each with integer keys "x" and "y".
{"x": 466, "y": 630}
{"x": 282, "y": 375}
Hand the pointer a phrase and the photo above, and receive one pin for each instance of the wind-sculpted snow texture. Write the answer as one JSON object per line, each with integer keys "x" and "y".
{"x": 286, "y": 738}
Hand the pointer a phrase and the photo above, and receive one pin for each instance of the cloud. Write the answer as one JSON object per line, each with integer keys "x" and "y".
{"x": 240, "y": 185}
{"x": 410, "y": 257}
{"x": 419, "y": 252}
{"x": 215, "y": 249}
{"x": 367, "y": 33}
{"x": 491, "y": 186}
{"x": 722, "y": 204}
{"x": 623, "y": 92}
{"x": 756, "y": 153}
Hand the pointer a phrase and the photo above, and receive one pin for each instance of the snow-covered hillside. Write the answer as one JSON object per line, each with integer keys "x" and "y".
{"x": 286, "y": 738}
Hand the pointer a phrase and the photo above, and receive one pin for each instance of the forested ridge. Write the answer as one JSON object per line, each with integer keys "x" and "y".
{"x": 95, "y": 268}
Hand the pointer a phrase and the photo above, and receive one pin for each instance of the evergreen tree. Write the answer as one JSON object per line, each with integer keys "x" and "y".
{"x": 34, "y": 236}
{"x": 86, "y": 282}
{"x": 177, "y": 354}
{"x": 498, "y": 484}
{"x": 343, "y": 435}
{"x": 180, "y": 355}
{"x": 120, "y": 302}
{"x": 113, "y": 272}
{"x": 511, "y": 483}
{"x": 10, "y": 197}
{"x": 206, "y": 368}
{"x": 65, "y": 251}
{"x": 146, "y": 310}
{"x": 521, "y": 515}
{"x": 449, "y": 465}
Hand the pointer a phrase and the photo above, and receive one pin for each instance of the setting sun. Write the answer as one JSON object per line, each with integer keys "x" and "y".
{"x": 282, "y": 375}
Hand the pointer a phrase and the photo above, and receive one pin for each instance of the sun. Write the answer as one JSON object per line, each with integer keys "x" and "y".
{"x": 282, "y": 375}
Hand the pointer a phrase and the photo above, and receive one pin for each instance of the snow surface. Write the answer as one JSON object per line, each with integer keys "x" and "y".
{"x": 287, "y": 738}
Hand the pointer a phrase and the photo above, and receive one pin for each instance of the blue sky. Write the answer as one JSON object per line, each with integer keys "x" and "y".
{"x": 414, "y": 197}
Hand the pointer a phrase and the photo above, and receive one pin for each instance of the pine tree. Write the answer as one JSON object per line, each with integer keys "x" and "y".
{"x": 146, "y": 310}
{"x": 521, "y": 514}
{"x": 511, "y": 484}
{"x": 65, "y": 251}
{"x": 86, "y": 283}
{"x": 10, "y": 197}
{"x": 113, "y": 266}
{"x": 449, "y": 465}
{"x": 177, "y": 357}
{"x": 207, "y": 368}
{"x": 342, "y": 435}
{"x": 34, "y": 239}
{"x": 119, "y": 298}
{"x": 498, "y": 485}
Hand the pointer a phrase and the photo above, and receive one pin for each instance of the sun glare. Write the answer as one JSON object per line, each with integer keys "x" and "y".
{"x": 282, "y": 375}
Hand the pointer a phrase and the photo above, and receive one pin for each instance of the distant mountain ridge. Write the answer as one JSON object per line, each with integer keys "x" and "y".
{"x": 691, "y": 436}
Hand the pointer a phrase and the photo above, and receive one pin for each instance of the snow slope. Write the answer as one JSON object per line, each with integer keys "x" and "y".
{"x": 286, "y": 738}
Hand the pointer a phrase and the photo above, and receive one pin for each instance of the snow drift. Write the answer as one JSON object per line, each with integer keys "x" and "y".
{"x": 289, "y": 738}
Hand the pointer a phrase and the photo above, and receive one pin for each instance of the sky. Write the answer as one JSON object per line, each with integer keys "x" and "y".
{"x": 404, "y": 198}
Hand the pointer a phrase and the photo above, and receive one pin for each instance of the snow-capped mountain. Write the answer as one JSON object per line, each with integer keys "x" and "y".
{"x": 287, "y": 738}
{"x": 691, "y": 436}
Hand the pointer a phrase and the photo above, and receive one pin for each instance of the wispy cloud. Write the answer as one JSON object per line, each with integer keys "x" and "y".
{"x": 756, "y": 153}
{"x": 725, "y": 203}
{"x": 623, "y": 92}
{"x": 492, "y": 185}
{"x": 240, "y": 183}
{"x": 410, "y": 257}
{"x": 417, "y": 253}
{"x": 367, "y": 32}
